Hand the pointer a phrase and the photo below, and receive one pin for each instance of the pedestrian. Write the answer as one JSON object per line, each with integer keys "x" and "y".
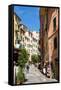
{"x": 27, "y": 68}
{"x": 44, "y": 70}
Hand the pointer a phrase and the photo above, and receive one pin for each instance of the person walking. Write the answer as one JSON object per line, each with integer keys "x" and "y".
{"x": 27, "y": 68}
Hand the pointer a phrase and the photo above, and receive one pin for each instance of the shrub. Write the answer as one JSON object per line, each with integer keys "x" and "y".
{"x": 35, "y": 58}
{"x": 23, "y": 57}
{"x": 20, "y": 76}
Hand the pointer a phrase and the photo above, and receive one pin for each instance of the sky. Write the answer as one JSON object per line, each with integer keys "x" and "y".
{"x": 29, "y": 16}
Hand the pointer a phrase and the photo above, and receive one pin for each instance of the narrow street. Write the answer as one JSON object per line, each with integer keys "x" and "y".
{"x": 35, "y": 76}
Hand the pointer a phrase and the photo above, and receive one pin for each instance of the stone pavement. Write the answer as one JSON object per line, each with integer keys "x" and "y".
{"x": 35, "y": 76}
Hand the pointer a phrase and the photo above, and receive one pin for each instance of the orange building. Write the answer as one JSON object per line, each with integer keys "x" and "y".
{"x": 48, "y": 40}
{"x": 43, "y": 42}
{"x": 53, "y": 40}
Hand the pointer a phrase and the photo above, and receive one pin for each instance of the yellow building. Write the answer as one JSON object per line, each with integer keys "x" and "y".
{"x": 17, "y": 21}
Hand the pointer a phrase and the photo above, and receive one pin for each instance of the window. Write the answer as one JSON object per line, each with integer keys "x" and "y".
{"x": 55, "y": 42}
{"x": 18, "y": 41}
{"x": 46, "y": 21}
{"x": 16, "y": 34}
{"x": 46, "y": 27}
{"x": 23, "y": 39}
{"x": 56, "y": 60}
{"x": 54, "y": 24}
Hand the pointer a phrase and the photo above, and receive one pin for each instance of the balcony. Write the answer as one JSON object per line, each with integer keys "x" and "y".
{"x": 17, "y": 45}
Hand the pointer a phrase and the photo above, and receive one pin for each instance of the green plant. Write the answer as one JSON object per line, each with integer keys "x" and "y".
{"x": 54, "y": 72}
{"x": 35, "y": 58}
{"x": 23, "y": 57}
{"x": 20, "y": 76}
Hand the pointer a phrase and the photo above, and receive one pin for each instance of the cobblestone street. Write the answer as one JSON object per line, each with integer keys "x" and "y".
{"x": 35, "y": 76}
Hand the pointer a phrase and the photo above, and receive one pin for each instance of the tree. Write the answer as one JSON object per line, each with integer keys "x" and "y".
{"x": 35, "y": 58}
{"x": 23, "y": 57}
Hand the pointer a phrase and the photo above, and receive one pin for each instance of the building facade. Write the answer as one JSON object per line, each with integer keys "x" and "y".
{"x": 31, "y": 43}
{"x": 35, "y": 40}
{"x": 48, "y": 40}
{"x": 43, "y": 41}
{"x": 53, "y": 40}
{"x": 24, "y": 38}
{"x": 17, "y": 21}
